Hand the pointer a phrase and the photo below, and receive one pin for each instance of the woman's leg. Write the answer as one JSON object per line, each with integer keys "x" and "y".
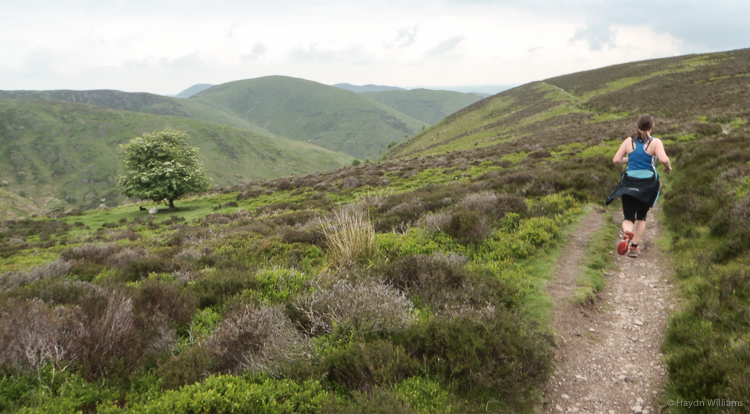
{"x": 640, "y": 221}
{"x": 640, "y": 228}
{"x": 629, "y": 210}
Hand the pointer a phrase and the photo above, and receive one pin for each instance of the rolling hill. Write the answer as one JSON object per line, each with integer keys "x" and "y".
{"x": 426, "y": 105}
{"x": 69, "y": 151}
{"x": 689, "y": 96}
{"x": 308, "y": 111}
{"x": 146, "y": 103}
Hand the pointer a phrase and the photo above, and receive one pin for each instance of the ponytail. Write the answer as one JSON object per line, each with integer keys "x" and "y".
{"x": 645, "y": 124}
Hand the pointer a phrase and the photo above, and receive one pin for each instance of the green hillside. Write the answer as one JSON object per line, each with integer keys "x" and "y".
{"x": 69, "y": 151}
{"x": 308, "y": 111}
{"x": 146, "y": 103}
{"x": 426, "y": 105}
{"x": 688, "y": 95}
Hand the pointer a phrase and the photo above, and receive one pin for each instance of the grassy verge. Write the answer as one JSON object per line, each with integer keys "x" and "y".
{"x": 598, "y": 262}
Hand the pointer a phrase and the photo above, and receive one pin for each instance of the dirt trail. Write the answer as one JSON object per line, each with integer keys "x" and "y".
{"x": 607, "y": 355}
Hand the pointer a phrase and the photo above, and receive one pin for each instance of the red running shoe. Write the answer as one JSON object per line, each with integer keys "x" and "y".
{"x": 634, "y": 252}
{"x": 622, "y": 248}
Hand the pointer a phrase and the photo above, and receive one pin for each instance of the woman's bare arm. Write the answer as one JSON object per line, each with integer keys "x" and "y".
{"x": 620, "y": 155}
{"x": 662, "y": 155}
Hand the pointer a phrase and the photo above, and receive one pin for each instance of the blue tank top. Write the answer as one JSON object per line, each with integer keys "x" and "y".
{"x": 639, "y": 161}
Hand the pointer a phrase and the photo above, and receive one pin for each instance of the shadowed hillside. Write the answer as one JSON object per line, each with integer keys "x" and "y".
{"x": 70, "y": 151}
{"x": 308, "y": 111}
{"x": 423, "y": 104}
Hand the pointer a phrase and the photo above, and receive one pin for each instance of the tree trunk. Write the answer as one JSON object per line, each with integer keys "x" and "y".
{"x": 171, "y": 203}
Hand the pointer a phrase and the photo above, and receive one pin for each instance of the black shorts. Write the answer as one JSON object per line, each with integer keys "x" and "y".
{"x": 634, "y": 209}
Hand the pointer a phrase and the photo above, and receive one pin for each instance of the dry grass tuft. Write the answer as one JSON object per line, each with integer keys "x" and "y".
{"x": 350, "y": 236}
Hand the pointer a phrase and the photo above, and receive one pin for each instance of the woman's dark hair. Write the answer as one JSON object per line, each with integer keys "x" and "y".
{"x": 645, "y": 124}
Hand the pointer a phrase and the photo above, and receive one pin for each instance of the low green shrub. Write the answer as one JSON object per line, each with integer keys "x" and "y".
{"x": 424, "y": 396}
{"x": 230, "y": 394}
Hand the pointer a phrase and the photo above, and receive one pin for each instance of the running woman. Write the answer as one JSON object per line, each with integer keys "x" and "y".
{"x": 639, "y": 187}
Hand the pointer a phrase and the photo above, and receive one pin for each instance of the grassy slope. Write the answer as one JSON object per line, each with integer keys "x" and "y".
{"x": 688, "y": 95}
{"x": 13, "y": 206}
{"x": 146, "y": 103}
{"x": 425, "y": 105}
{"x": 67, "y": 149}
{"x": 308, "y": 111}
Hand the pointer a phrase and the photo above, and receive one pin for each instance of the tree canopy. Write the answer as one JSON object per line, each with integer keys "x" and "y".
{"x": 161, "y": 166}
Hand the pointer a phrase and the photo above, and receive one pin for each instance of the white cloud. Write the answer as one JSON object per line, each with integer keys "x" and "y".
{"x": 448, "y": 45}
{"x": 405, "y": 37}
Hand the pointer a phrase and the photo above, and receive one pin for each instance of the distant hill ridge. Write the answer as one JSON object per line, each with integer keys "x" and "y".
{"x": 367, "y": 88}
{"x": 312, "y": 112}
{"x": 193, "y": 90}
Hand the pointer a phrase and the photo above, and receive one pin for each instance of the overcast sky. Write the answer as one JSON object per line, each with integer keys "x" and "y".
{"x": 166, "y": 46}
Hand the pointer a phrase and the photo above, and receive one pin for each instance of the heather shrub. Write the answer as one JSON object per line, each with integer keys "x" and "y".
{"x": 254, "y": 338}
{"x": 553, "y": 205}
{"x": 93, "y": 252}
{"x": 467, "y": 227}
{"x": 54, "y": 269}
{"x": 434, "y": 222}
{"x": 350, "y": 237}
{"x": 161, "y": 309}
{"x": 192, "y": 365}
{"x": 736, "y": 237}
{"x": 294, "y": 218}
{"x": 31, "y": 337}
{"x": 506, "y": 355}
{"x": 213, "y": 287}
{"x": 105, "y": 340}
{"x": 378, "y": 400}
{"x": 297, "y": 235}
{"x": 365, "y": 365}
{"x": 126, "y": 256}
{"x": 138, "y": 269}
{"x": 495, "y": 205}
{"x": 443, "y": 284}
{"x": 55, "y": 291}
{"x": 355, "y": 307}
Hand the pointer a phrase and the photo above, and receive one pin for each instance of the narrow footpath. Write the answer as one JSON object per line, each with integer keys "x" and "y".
{"x": 608, "y": 355}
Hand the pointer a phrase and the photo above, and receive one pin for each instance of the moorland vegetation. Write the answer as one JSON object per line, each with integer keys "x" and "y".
{"x": 411, "y": 284}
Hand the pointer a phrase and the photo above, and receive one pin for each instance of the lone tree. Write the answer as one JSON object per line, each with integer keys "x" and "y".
{"x": 161, "y": 166}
